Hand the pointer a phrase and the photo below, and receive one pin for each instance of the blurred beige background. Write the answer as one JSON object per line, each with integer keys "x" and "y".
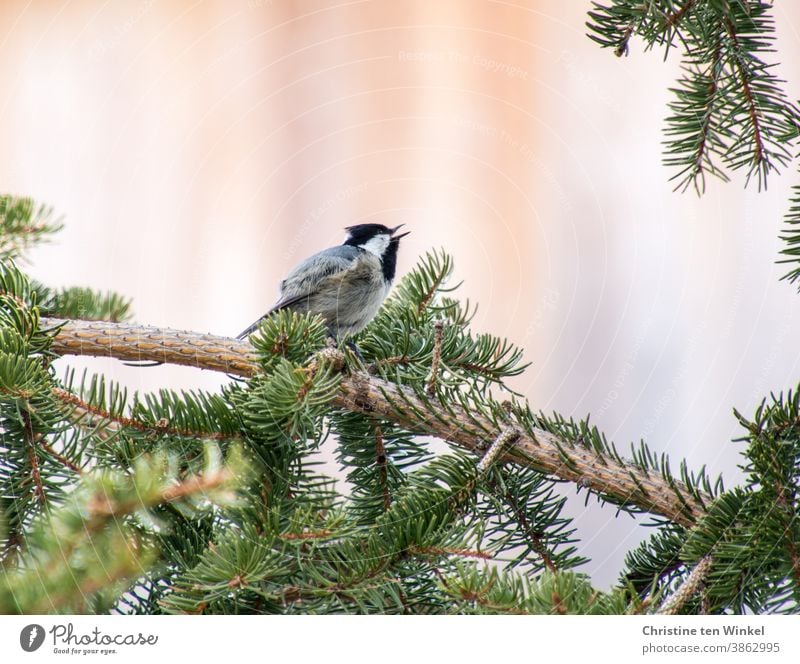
{"x": 198, "y": 150}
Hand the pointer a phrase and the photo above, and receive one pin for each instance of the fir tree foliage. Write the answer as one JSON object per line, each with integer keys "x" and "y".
{"x": 83, "y": 303}
{"x": 751, "y": 532}
{"x": 199, "y": 502}
{"x": 791, "y": 238}
{"x": 81, "y": 555}
{"x": 729, "y": 110}
{"x": 22, "y": 225}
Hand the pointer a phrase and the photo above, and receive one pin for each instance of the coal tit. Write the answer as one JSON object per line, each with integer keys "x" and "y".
{"x": 347, "y": 284}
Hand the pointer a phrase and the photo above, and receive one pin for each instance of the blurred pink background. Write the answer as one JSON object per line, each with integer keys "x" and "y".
{"x": 198, "y": 150}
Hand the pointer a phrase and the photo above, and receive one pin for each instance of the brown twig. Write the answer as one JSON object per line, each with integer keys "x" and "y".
{"x": 196, "y": 484}
{"x": 394, "y": 360}
{"x": 61, "y": 458}
{"x": 101, "y": 508}
{"x": 446, "y": 551}
{"x": 534, "y": 537}
{"x": 137, "y": 342}
{"x": 428, "y": 298}
{"x": 85, "y": 409}
{"x": 438, "y": 329}
{"x": 362, "y": 393}
{"x": 622, "y": 47}
{"x": 558, "y": 604}
{"x": 747, "y": 90}
{"x": 703, "y": 148}
{"x": 380, "y": 459}
{"x": 31, "y": 438}
{"x": 671, "y": 21}
{"x": 676, "y": 17}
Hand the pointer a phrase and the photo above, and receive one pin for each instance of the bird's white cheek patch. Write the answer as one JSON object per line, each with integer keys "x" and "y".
{"x": 377, "y": 245}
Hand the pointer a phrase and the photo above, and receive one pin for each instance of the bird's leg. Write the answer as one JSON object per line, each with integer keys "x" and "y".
{"x": 333, "y": 342}
{"x": 352, "y": 346}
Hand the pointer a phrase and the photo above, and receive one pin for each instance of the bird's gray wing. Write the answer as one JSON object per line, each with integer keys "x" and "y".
{"x": 304, "y": 279}
{"x": 306, "y": 276}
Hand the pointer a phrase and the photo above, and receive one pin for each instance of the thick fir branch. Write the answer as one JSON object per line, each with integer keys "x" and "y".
{"x": 626, "y": 482}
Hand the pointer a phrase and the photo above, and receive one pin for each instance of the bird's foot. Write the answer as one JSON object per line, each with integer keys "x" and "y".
{"x": 352, "y": 346}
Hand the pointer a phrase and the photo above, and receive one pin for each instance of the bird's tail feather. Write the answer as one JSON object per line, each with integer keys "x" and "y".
{"x": 246, "y": 333}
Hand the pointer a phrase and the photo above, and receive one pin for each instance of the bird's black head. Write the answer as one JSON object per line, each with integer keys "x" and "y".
{"x": 379, "y": 240}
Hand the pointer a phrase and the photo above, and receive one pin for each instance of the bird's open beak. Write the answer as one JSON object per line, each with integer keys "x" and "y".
{"x": 397, "y": 228}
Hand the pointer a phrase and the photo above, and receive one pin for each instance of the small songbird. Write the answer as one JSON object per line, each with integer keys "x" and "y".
{"x": 347, "y": 284}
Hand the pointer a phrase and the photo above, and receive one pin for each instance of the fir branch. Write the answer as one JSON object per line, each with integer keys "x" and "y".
{"x": 31, "y": 438}
{"x": 448, "y": 551}
{"x": 78, "y": 550}
{"x": 101, "y": 508}
{"x": 81, "y": 410}
{"x": 431, "y": 293}
{"x": 657, "y": 562}
{"x": 676, "y": 17}
{"x": 790, "y": 236}
{"x": 59, "y": 598}
{"x": 677, "y": 600}
{"x": 481, "y": 596}
{"x": 23, "y": 225}
{"x": 61, "y": 458}
{"x": 693, "y": 127}
{"x": 730, "y": 105}
{"x": 490, "y": 590}
{"x": 83, "y": 303}
{"x": 787, "y": 513}
{"x": 136, "y": 342}
{"x": 359, "y": 392}
{"x": 774, "y": 474}
{"x": 534, "y": 538}
{"x": 747, "y": 91}
{"x": 380, "y": 460}
{"x": 437, "y": 356}
{"x": 791, "y": 544}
